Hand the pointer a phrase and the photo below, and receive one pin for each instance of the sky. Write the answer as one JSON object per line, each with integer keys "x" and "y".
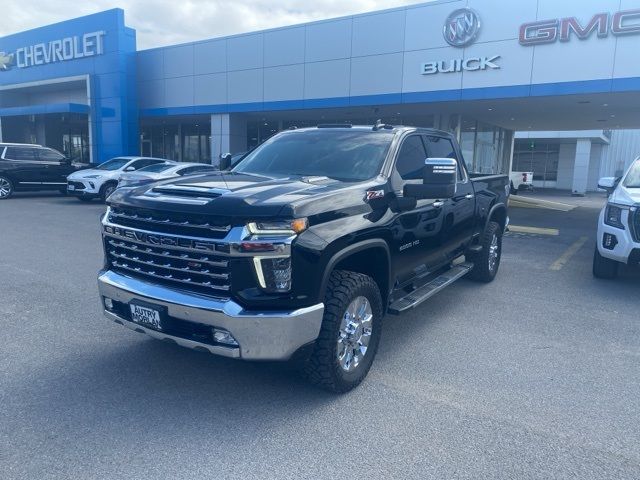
{"x": 160, "y": 23}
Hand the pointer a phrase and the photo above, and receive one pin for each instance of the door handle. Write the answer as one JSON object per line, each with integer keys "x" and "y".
{"x": 438, "y": 204}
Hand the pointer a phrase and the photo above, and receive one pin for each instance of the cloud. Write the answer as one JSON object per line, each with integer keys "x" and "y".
{"x": 161, "y": 22}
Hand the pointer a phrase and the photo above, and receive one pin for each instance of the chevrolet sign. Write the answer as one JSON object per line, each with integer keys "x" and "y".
{"x": 69, "y": 48}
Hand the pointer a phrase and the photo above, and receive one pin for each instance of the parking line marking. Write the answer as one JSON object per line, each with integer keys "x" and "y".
{"x": 554, "y": 232}
{"x": 568, "y": 254}
{"x": 524, "y": 202}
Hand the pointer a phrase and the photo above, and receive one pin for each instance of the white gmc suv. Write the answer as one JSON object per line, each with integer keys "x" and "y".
{"x": 619, "y": 224}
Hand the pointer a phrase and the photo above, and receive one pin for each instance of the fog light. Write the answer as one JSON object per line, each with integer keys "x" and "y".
{"x": 108, "y": 303}
{"x": 222, "y": 336}
{"x": 609, "y": 241}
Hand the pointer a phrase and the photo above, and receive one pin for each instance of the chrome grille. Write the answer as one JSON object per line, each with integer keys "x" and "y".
{"x": 198, "y": 271}
{"x": 170, "y": 222}
{"x": 634, "y": 217}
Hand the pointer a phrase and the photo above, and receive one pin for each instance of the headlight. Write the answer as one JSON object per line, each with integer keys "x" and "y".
{"x": 287, "y": 227}
{"x": 274, "y": 274}
{"x": 613, "y": 215}
{"x": 92, "y": 176}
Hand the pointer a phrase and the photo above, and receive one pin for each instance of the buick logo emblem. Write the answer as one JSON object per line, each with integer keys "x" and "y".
{"x": 462, "y": 27}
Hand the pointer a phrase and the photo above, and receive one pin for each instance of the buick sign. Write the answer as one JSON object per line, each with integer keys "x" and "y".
{"x": 462, "y": 27}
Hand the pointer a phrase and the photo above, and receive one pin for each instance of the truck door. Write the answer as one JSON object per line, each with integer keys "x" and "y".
{"x": 459, "y": 211}
{"x": 418, "y": 246}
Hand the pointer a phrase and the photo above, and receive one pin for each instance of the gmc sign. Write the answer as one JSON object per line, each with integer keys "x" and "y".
{"x": 549, "y": 31}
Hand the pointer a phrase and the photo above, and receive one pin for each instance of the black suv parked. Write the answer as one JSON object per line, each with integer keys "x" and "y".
{"x": 32, "y": 167}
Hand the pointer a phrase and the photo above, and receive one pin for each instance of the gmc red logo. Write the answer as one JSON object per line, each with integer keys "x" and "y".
{"x": 550, "y": 31}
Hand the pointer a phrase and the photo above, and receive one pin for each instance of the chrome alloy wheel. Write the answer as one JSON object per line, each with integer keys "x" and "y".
{"x": 493, "y": 253}
{"x": 5, "y": 188}
{"x": 355, "y": 334}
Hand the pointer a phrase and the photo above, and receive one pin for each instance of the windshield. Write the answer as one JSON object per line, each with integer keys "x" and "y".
{"x": 346, "y": 155}
{"x": 113, "y": 164}
{"x": 157, "y": 168}
{"x": 633, "y": 177}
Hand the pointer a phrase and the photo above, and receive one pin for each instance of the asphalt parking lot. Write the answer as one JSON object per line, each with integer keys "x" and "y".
{"x": 532, "y": 376}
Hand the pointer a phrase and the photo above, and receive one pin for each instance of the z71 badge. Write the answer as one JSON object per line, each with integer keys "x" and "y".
{"x": 373, "y": 194}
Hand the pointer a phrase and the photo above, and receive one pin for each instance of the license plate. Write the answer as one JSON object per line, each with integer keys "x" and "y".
{"x": 71, "y": 187}
{"x": 146, "y": 317}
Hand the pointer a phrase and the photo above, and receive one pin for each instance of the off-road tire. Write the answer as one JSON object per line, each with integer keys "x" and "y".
{"x": 482, "y": 272}
{"x": 604, "y": 268}
{"x": 322, "y": 367}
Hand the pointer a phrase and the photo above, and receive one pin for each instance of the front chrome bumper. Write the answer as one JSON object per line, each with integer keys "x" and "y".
{"x": 260, "y": 335}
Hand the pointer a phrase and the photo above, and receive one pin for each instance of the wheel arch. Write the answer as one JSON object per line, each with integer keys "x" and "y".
{"x": 369, "y": 257}
{"x": 498, "y": 214}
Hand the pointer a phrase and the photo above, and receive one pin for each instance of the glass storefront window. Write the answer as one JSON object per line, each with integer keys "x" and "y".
{"x": 187, "y": 142}
{"x": 541, "y": 158}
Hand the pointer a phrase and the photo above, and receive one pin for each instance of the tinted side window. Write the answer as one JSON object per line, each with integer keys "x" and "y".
{"x": 21, "y": 153}
{"x": 138, "y": 164}
{"x": 440, "y": 147}
{"x": 47, "y": 155}
{"x": 411, "y": 158}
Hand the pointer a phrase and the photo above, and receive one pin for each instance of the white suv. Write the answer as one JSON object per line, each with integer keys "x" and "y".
{"x": 101, "y": 181}
{"x": 619, "y": 224}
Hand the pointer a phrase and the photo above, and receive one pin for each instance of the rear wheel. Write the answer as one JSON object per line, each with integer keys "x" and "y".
{"x": 6, "y": 188}
{"x": 350, "y": 333}
{"x": 487, "y": 261}
{"x": 603, "y": 267}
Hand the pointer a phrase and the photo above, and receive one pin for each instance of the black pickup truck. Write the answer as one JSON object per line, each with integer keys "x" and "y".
{"x": 299, "y": 251}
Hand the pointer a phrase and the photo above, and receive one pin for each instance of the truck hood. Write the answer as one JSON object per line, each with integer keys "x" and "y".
{"x": 247, "y": 195}
{"x": 626, "y": 196}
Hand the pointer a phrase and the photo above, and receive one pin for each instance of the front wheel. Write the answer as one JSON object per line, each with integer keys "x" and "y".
{"x": 603, "y": 267}
{"x": 6, "y": 188}
{"x": 487, "y": 261}
{"x": 107, "y": 190}
{"x": 350, "y": 333}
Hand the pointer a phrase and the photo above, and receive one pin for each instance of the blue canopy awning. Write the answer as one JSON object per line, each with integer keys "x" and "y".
{"x": 43, "y": 109}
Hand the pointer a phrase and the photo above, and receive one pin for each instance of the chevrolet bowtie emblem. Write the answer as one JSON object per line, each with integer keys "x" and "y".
{"x": 6, "y": 60}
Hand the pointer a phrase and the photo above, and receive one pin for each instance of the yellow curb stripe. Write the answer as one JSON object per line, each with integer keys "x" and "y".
{"x": 568, "y": 254}
{"x": 554, "y": 232}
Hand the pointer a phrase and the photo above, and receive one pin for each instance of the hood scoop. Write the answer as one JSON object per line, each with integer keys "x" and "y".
{"x": 189, "y": 194}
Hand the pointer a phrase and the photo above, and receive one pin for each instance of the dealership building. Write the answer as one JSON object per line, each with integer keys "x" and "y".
{"x": 483, "y": 69}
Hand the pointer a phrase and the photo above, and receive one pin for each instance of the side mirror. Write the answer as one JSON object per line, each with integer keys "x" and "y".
{"x": 608, "y": 183}
{"x": 130, "y": 169}
{"x": 440, "y": 176}
{"x": 225, "y": 161}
